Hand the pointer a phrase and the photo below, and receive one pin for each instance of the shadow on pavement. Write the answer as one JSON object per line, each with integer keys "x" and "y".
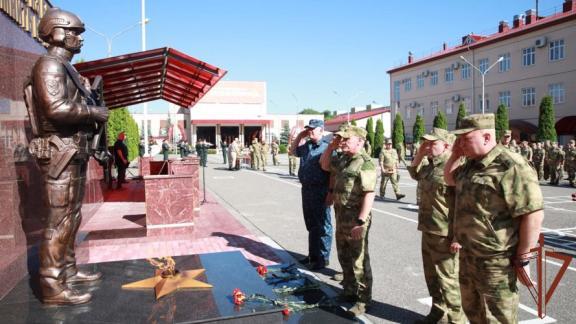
{"x": 251, "y": 246}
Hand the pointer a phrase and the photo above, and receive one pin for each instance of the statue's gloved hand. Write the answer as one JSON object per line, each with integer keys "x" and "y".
{"x": 100, "y": 114}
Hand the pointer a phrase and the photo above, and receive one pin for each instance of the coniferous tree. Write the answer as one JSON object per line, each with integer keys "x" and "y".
{"x": 398, "y": 132}
{"x": 353, "y": 123}
{"x": 119, "y": 121}
{"x": 285, "y": 135}
{"x": 461, "y": 114}
{"x": 378, "y": 138}
{"x": 418, "y": 130}
{"x": 502, "y": 123}
{"x": 440, "y": 121}
{"x": 370, "y": 131}
{"x": 546, "y": 121}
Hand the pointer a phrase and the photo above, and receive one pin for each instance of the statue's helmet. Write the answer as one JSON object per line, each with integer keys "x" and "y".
{"x": 58, "y": 18}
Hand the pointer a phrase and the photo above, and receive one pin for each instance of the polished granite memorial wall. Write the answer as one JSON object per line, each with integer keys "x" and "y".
{"x": 21, "y": 206}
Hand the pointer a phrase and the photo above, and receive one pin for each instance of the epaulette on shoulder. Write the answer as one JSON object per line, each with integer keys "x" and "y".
{"x": 366, "y": 157}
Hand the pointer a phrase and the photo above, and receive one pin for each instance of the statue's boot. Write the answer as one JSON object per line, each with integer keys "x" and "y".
{"x": 67, "y": 297}
{"x": 83, "y": 276}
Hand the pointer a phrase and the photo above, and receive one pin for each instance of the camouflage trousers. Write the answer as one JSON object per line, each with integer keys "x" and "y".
{"x": 555, "y": 172}
{"x": 441, "y": 274}
{"x": 353, "y": 254}
{"x": 571, "y": 170}
{"x": 488, "y": 288}
{"x": 546, "y": 168}
{"x": 393, "y": 178}
{"x": 292, "y": 164}
{"x": 539, "y": 167}
{"x": 257, "y": 161}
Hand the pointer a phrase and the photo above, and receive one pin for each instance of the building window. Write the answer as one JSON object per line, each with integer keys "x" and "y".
{"x": 556, "y": 91}
{"x": 528, "y": 56}
{"x": 528, "y": 97}
{"x": 449, "y": 105}
{"x": 408, "y": 111}
{"x": 556, "y": 50}
{"x": 465, "y": 71}
{"x": 397, "y": 90}
{"x": 483, "y": 65}
{"x": 419, "y": 81}
{"x": 486, "y": 101}
{"x": 504, "y": 65}
{"x": 449, "y": 75}
{"x": 434, "y": 108}
{"x": 433, "y": 78}
{"x": 407, "y": 84}
{"x": 504, "y": 98}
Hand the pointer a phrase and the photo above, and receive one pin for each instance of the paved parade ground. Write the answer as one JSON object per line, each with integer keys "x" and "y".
{"x": 269, "y": 204}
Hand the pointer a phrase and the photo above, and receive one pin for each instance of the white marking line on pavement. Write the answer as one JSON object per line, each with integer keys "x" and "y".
{"x": 275, "y": 178}
{"x": 556, "y": 197}
{"x": 395, "y": 215}
{"x": 223, "y": 177}
{"x": 428, "y": 302}
{"x": 558, "y": 202}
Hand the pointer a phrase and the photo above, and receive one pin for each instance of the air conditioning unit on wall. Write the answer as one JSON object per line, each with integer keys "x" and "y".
{"x": 456, "y": 65}
{"x": 541, "y": 41}
{"x": 426, "y": 73}
{"x": 456, "y": 98}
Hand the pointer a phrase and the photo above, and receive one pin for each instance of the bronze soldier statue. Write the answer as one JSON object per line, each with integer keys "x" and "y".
{"x": 64, "y": 120}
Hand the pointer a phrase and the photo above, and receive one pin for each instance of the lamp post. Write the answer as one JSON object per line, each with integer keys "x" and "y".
{"x": 483, "y": 73}
{"x": 348, "y": 103}
{"x": 110, "y": 39}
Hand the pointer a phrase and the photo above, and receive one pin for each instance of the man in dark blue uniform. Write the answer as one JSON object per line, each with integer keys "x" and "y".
{"x": 121, "y": 159}
{"x": 315, "y": 183}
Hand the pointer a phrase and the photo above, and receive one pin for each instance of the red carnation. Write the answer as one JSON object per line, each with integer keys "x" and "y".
{"x": 262, "y": 270}
{"x": 286, "y": 311}
{"x": 238, "y": 296}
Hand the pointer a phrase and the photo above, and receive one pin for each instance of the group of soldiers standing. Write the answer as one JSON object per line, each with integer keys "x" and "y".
{"x": 549, "y": 159}
{"x": 259, "y": 151}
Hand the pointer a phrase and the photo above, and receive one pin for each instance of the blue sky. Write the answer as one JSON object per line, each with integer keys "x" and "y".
{"x": 329, "y": 54}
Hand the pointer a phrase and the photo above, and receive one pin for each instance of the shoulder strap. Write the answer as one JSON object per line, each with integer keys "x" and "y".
{"x": 73, "y": 73}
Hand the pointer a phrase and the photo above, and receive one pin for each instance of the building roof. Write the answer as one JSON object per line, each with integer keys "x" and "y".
{"x": 481, "y": 41}
{"x": 342, "y": 118}
{"x": 162, "y": 73}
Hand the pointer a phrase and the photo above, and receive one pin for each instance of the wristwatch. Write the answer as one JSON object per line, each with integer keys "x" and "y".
{"x": 360, "y": 222}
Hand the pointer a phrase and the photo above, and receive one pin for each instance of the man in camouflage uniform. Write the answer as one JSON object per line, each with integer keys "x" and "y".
{"x": 526, "y": 151}
{"x": 264, "y": 151}
{"x": 353, "y": 192}
{"x": 555, "y": 164}
{"x": 388, "y": 160}
{"x": 498, "y": 217}
{"x": 570, "y": 161}
{"x": 506, "y": 139}
{"x": 292, "y": 161}
{"x": 275, "y": 150}
{"x": 435, "y": 217}
{"x": 548, "y": 148}
{"x": 538, "y": 157}
{"x": 256, "y": 154}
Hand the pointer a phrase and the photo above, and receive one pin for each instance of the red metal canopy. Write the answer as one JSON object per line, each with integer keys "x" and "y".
{"x": 162, "y": 73}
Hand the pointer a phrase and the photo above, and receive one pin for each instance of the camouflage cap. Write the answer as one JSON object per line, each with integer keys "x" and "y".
{"x": 353, "y": 131}
{"x": 439, "y": 134}
{"x": 508, "y": 133}
{"x": 388, "y": 141}
{"x": 475, "y": 122}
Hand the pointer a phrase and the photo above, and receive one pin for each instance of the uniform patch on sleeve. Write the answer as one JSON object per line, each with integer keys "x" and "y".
{"x": 53, "y": 86}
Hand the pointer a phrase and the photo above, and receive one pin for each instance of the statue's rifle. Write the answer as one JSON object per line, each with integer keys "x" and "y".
{"x": 100, "y": 140}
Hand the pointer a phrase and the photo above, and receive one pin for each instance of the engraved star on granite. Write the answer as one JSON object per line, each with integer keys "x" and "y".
{"x": 164, "y": 285}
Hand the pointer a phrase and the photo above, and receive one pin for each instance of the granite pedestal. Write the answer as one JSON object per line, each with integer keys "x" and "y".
{"x": 112, "y": 304}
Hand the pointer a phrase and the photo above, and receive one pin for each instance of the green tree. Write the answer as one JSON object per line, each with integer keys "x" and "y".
{"x": 328, "y": 114}
{"x": 502, "y": 124}
{"x": 461, "y": 114}
{"x": 285, "y": 135}
{"x": 119, "y": 121}
{"x": 546, "y": 121}
{"x": 353, "y": 123}
{"x": 378, "y": 138}
{"x": 310, "y": 111}
{"x": 440, "y": 121}
{"x": 418, "y": 130}
{"x": 398, "y": 132}
{"x": 370, "y": 131}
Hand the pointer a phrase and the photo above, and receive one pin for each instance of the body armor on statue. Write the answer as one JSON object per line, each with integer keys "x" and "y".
{"x": 64, "y": 120}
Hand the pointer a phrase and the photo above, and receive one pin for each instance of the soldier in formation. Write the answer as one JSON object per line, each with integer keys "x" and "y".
{"x": 234, "y": 153}
{"x": 255, "y": 154}
{"x": 275, "y": 150}
{"x": 496, "y": 223}
{"x": 570, "y": 161}
{"x": 555, "y": 163}
{"x": 353, "y": 183}
{"x": 264, "y": 151}
{"x": 538, "y": 157}
{"x": 526, "y": 151}
{"x": 292, "y": 161}
{"x": 389, "y": 161}
{"x": 435, "y": 218}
